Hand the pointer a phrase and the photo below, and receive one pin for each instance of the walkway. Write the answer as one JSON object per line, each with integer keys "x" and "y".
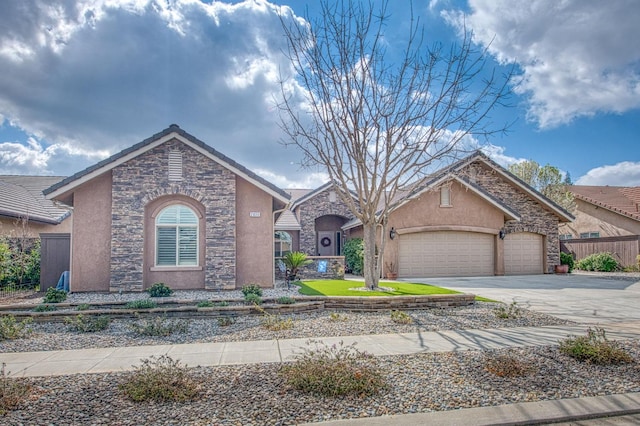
{"x": 51, "y": 363}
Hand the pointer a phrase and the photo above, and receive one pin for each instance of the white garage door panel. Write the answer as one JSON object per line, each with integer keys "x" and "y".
{"x": 523, "y": 254}
{"x": 446, "y": 253}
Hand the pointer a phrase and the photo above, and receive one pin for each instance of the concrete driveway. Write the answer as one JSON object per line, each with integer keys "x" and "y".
{"x": 582, "y": 298}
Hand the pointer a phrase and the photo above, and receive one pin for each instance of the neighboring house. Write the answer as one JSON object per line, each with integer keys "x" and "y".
{"x": 449, "y": 224}
{"x": 25, "y": 212}
{"x": 607, "y": 219}
{"x": 473, "y": 218}
{"x": 170, "y": 209}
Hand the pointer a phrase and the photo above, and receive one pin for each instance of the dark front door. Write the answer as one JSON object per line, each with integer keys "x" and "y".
{"x": 55, "y": 253}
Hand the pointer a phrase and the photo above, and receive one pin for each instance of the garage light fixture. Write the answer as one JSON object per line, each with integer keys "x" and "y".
{"x": 501, "y": 234}
{"x": 392, "y": 233}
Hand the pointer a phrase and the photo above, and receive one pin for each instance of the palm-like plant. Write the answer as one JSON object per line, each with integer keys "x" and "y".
{"x": 294, "y": 261}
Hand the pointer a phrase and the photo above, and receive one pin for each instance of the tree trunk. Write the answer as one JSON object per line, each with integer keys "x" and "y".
{"x": 371, "y": 275}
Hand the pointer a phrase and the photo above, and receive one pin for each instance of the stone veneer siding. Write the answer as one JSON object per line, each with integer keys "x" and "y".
{"x": 145, "y": 178}
{"x": 310, "y": 210}
{"x": 534, "y": 216}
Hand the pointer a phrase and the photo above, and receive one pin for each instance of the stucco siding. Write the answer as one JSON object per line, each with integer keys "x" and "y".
{"x": 254, "y": 235}
{"x": 12, "y": 228}
{"x": 592, "y": 218}
{"x": 91, "y": 236}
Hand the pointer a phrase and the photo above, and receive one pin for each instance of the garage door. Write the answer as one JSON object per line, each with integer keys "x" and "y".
{"x": 523, "y": 254}
{"x": 445, "y": 253}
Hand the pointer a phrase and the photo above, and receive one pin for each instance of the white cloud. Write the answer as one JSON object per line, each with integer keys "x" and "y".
{"x": 91, "y": 77}
{"x": 307, "y": 181}
{"x": 578, "y": 57}
{"x": 626, "y": 173}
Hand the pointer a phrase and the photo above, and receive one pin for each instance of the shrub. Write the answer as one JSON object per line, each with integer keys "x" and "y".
{"x": 205, "y": 304}
{"x": 226, "y": 321}
{"x": 159, "y": 290}
{"x": 286, "y": 300}
{"x": 10, "y": 328}
{"x": 252, "y": 299}
{"x": 251, "y": 289}
{"x": 13, "y": 392}
{"x": 54, "y": 296}
{"x": 83, "y": 307}
{"x": 222, "y": 303}
{"x": 401, "y": 317}
{"x": 338, "y": 317}
{"x": 506, "y": 366}
{"x": 159, "y": 326}
{"x": 161, "y": 379}
{"x": 567, "y": 259}
{"x": 333, "y": 371}
{"x": 276, "y": 322}
{"x": 87, "y": 324}
{"x": 601, "y": 262}
{"x": 594, "y": 348}
{"x": 354, "y": 255}
{"x": 45, "y": 308}
{"x": 511, "y": 311}
{"x": 141, "y": 304}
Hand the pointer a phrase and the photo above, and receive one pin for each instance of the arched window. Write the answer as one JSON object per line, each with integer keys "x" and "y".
{"x": 177, "y": 236}
{"x": 282, "y": 242}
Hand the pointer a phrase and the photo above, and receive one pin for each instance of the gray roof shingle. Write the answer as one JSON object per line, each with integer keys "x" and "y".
{"x": 22, "y": 196}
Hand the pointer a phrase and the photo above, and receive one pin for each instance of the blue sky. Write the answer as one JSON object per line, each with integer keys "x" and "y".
{"x": 83, "y": 79}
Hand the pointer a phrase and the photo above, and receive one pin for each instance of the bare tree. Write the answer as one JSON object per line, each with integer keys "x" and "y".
{"x": 376, "y": 123}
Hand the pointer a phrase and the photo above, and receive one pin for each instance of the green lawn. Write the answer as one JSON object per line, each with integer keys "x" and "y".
{"x": 341, "y": 288}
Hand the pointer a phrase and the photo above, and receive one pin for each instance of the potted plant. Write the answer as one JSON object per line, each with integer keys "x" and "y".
{"x": 566, "y": 263}
{"x": 392, "y": 271}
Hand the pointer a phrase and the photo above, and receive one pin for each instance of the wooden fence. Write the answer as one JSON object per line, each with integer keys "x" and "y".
{"x": 624, "y": 248}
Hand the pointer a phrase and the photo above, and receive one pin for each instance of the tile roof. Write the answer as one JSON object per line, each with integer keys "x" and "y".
{"x": 21, "y": 196}
{"x": 624, "y": 200}
{"x": 174, "y": 128}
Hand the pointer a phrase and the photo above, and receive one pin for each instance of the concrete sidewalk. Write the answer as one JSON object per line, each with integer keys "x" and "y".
{"x": 82, "y": 361}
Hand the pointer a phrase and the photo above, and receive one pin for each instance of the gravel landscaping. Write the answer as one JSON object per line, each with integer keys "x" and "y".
{"x": 258, "y": 395}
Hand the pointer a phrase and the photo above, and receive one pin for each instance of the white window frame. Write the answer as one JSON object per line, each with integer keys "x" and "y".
{"x": 177, "y": 227}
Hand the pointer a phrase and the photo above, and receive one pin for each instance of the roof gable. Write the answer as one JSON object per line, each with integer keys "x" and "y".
{"x": 173, "y": 131}
{"x": 623, "y": 200}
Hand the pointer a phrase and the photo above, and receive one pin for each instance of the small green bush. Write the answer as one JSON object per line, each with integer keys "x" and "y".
{"x": 159, "y": 290}
{"x": 354, "y": 255}
{"x": 334, "y": 371}
{"x": 141, "y": 304}
{"x": 11, "y": 329}
{"x": 567, "y": 259}
{"x": 159, "y": 326}
{"x": 54, "y": 296}
{"x": 601, "y": 262}
{"x": 13, "y": 392}
{"x": 205, "y": 304}
{"x": 222, "y": 303}
{"x": 511, "y": 311}
{"x": 507, "y": 366}
{"x": 286, "y": 300}
{"x": 226, "y": 321}
{"x": 594, "y": 348}
{"x": 83, "y": 307}
{"x": 161, "y": 379}
{"x": 252, "y": 299}
{"x": 87, "y": 324}
{"x": 401, "y": 317}
{"x": 251, "y": 289}
{"x": 45, "y": 308}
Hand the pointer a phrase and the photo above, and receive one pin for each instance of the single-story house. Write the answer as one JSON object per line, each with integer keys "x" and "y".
{"x": 173, "y": 209}
{"x": 169, "y": 209}
{"x": 472, "y": 218}
{"x": 607, "y": 218}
